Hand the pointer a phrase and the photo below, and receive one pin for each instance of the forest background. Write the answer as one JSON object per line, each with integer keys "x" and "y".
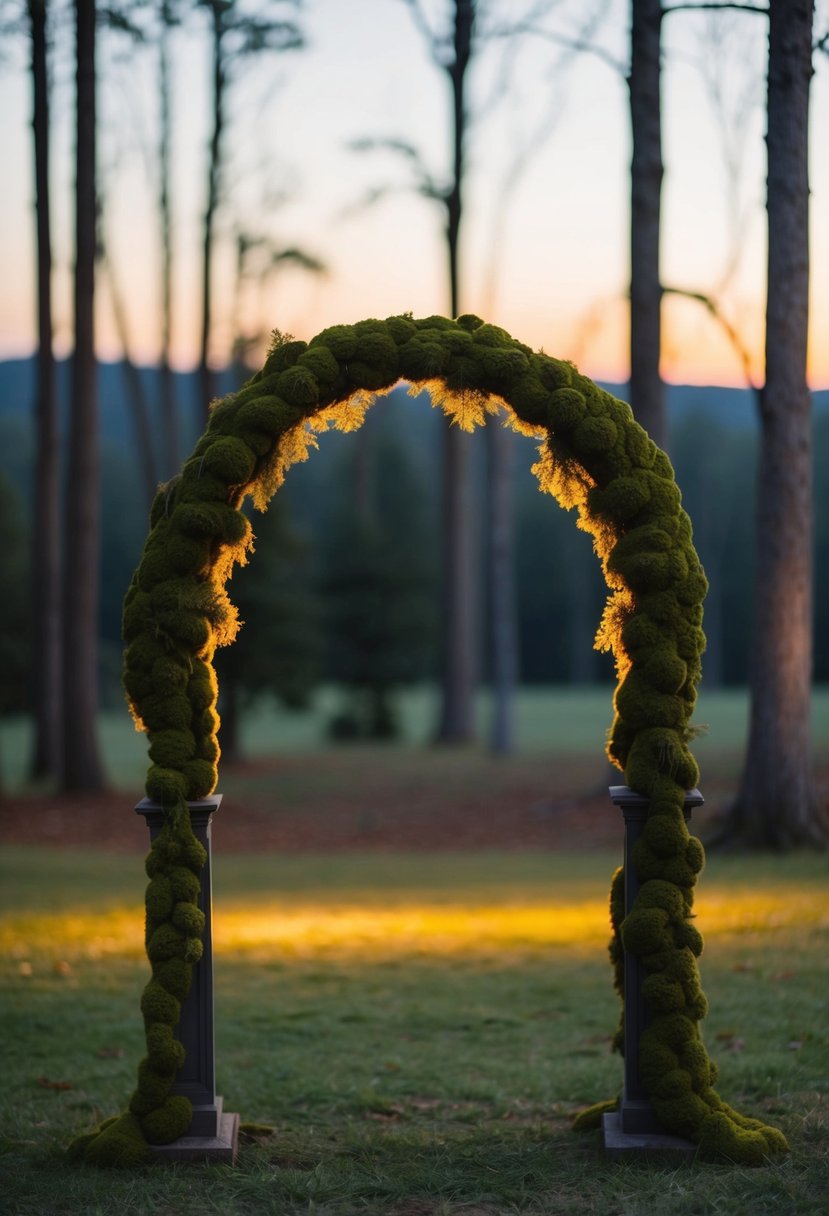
{"x": 320, "y": 191}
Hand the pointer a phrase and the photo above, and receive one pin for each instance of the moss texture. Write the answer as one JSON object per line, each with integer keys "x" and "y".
{"x": 593, "y": 457}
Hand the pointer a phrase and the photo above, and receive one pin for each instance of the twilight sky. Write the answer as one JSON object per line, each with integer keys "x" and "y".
{"x": 548, "y": 260}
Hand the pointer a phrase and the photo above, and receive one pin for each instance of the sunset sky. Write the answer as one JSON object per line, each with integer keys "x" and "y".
{"x": 554, "y": 274}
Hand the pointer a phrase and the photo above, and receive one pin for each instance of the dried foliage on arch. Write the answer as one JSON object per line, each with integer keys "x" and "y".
{"x": 593, "y": 457}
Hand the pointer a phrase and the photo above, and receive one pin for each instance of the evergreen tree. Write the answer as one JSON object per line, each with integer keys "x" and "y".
{"x": 278, "y": 649}
{"x": 379, "y": 588}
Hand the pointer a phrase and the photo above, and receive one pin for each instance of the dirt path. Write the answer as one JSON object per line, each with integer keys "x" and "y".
{"x": 363, "y": 802}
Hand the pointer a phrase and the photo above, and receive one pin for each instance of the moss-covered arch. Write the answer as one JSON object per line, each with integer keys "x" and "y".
{"x": 593, "y": 457}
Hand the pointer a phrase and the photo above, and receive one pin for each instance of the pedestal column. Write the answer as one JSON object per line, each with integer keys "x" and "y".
{"x": 213, "y": 1133}
{"x": 634, "y": 1127}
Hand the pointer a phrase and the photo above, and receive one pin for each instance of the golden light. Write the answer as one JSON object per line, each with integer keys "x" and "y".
{"x": 277, "y": 929}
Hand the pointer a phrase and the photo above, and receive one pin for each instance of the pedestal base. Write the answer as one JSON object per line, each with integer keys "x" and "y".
{"x": 630, "y": 1145}
{"x": 221, "y": 1149}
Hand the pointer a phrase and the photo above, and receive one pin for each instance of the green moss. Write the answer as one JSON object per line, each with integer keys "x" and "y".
{"x": 188, "y": 918}
{"x": 323, "y": 367}
{"x": 590, "y": 1118}
{"x": 375, "y": 364}
{"x": 169, "y": 1121}
{"x": 172, "y": 748}
{"x": 298, "y": 388}
{"x": 201, "y": 778}
{"x": 230, "y": 460}
{"x": 165, "y": 785}
{"x": 423, "y": 360}
{"x": 119, "y": 1144}
{"x": 165, "y": 1051}
{"x": 165, "y": 943}
{"x": 158, "y": 899}
{"x": 158, "y": 1005}
{"x": 174, "y": 975}
{"x": 184, "y": 884}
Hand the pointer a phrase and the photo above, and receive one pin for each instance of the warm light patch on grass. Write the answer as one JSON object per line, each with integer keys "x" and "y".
{"x": 409, "y": 929}
{"x": 306, "y": 929}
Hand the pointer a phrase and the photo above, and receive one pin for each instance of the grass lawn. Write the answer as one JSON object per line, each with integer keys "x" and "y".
{"x": 417, "y": 1030}
{"x": 570, "y": 721}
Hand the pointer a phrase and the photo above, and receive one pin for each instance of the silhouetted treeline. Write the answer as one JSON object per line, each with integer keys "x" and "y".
{"x": 559, "y": 586}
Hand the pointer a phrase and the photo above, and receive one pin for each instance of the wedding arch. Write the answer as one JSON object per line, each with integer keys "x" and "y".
{"x": 593, "y": 457}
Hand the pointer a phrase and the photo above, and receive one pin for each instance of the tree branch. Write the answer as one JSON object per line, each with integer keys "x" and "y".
{"x": 573, "y": 44}
{"x": 433, "y": 41}
{"x": 425, "y": 183}
{"x": 714, "y": 7}
{"x": 713, "y": 309}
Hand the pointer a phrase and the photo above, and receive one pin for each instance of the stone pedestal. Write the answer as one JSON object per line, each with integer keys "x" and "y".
{"x": 634, "y": 1128}
{"x": 213, "y": 1133}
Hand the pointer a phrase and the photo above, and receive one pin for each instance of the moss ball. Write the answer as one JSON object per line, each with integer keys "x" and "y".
{"x": 166, "y": 1052}
{"x": 165, "y": 785}
{"x": 645, "y": 930}
{"x": 376, "y": 363}
{"x": 298, "y": 387}
{"x": 172, "y": 748}
{"x": 320, "y": 362}
{"x": 664, "y": 670}
{"x": 502, "y": 368}
{"x": 193, "y": 855}
{"x": 620, "y": 500}
{"x": 165, "y": 942}
{"x": 530, "y": 399}
{"x": 594, "y": 435}
{"x": 120, "y": 1145}
{"x": 158, "y": 898}
{"x": 230, "y": 459}
{"x": 423, "y": 360}
{"x": 174, "y": 975}
{"x": 341, "y": 340}
{"x": 184, "y": 884}
{"x": 188, "y": 918}
{"x": 401, "y": 328}
{"x": 169, "y": 1122}
{"x": 555, "y": 374}
{"x": 663, "y": 994}
{"x": 158, "y": 1005}
{"x": 200, "y": 776}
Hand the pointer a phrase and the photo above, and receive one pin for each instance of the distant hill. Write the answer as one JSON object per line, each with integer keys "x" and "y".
{"x": 732, "y": 408}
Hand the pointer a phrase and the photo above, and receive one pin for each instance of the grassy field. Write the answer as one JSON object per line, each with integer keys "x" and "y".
{"x": 416, "y": 1030}
{"x": 562, "y": 720}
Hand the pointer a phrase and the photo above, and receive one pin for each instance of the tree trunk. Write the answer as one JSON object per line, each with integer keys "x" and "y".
{"x": 136, "y": 394}
{"x": 230, "y": 714}
{"x": 501, "y": 572}
{"x": 169, "y": 409}
{"x": 583, "y": 607}
{"x": 776, "y": 805}
{"x": 207, "y": 379}
{"x": 646, "y": 389}
{"x": 46, "y": 535}
{"x": 81, "y": 762}
{"x": 459, "y": 657}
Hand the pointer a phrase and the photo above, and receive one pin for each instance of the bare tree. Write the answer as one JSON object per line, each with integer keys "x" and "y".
{"x": 81, "y": 767}
{"x": 646, "y": 387}
{"x": 169, "y": 408}
{"x": 46, "y": 652}
{"x": 136, "y": 393}
{"x": 235, "y": 36}
{"x": 451, "y": 52}
{"x": 776, "y": 805}
{"x": 460, "y": 639}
